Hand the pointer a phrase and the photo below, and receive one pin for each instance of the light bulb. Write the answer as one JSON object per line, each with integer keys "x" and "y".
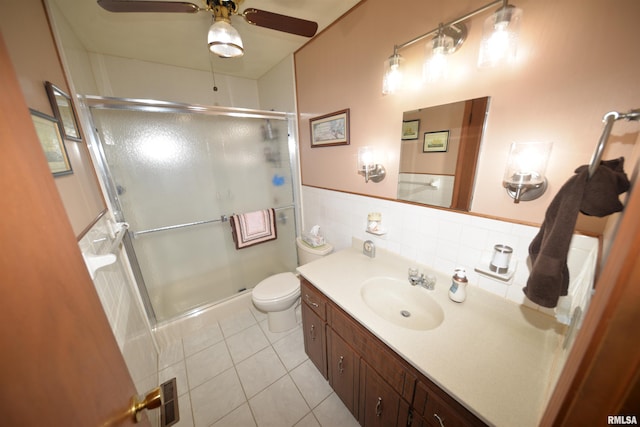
{"x": 393, "y": 76}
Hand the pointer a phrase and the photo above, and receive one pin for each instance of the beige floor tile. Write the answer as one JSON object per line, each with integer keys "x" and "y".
{"x": 233, "y": 324}
{"x": 207, "y": 363}
{"x": 240, "y": 417}
{"x": 332, "y": 412}
{"x": 279, "y": 405}
{"x": 201, "y": 339}
{"x": 291, "y": 349}
{"x": 308, "y": 421}
{"x": 313, "y": 386}
{"x": 259, "y": 371}
{"x": 216, "y": 398}
{"x": 246, "y": 343}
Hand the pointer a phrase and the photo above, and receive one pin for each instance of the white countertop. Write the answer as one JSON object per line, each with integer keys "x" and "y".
{"x": 490, "y": 354}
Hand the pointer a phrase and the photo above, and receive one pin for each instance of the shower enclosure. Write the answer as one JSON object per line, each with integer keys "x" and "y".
{"x": 176, "y": 173}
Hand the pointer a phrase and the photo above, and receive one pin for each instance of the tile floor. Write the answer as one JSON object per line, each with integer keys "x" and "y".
{"x": 237, "y": 373}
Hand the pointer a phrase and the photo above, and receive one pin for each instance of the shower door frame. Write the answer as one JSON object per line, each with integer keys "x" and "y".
{"x": 88, "y": 102}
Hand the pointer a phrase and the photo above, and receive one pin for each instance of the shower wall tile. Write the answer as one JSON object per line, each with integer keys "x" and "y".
{"x": 123, "y": 309}
{"x": 440, "y": 239}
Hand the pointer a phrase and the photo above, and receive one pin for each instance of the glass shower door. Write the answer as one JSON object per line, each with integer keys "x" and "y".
{"x": 178, "y": 177}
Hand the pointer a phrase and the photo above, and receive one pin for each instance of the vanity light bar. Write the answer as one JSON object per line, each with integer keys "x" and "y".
{"x": 454, "y": 29}
{"x": 448, "y": 24}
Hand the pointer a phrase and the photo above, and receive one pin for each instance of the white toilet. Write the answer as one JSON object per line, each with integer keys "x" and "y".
{"x": 277, "y": 295}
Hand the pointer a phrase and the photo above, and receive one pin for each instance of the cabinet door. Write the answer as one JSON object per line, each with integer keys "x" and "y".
{"x": 315, "y": 339}
{"x": 343, "y": 371}
{"x": 379, "y": 403}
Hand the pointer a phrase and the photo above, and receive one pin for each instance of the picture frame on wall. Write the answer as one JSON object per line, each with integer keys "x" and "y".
{"x": 330, "y": 129}
{"x": 435, "y": 142}
{"x": 48, "y": 131}
{"x": 64, "y": 112}
{"x": 410, "y": 129}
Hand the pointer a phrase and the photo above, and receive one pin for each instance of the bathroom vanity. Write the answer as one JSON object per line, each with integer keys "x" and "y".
{"x": 487, "y": 361}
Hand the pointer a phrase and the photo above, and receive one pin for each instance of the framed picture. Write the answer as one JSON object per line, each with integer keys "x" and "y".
{"x": 410, "y": 129}
{"x": 51, "y": 140}
{"x": 64, "y": 112}
{"x": 330, "y": 129}
{"x": 435, "y": 141}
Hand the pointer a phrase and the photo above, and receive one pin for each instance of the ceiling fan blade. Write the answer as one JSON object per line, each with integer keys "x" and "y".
{"x": 275, "y": 21}
{"x": 148, "y": 6}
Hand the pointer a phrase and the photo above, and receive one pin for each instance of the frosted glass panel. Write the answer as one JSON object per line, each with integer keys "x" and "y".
{"x": 174, "y": 169}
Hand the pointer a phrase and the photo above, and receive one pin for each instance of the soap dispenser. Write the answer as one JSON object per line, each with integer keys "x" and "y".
{"x": 458, "y": 291}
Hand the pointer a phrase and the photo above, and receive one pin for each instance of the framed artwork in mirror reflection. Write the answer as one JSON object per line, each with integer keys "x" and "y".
{"x": 435, "y": 142}
{"x": 410, "y": 129}
{"x": 330, "y": 129}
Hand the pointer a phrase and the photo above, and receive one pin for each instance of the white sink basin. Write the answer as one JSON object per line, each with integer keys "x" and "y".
{"x": 398, "y": 302}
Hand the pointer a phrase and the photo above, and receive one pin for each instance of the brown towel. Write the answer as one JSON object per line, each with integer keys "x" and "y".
{"x": 598, "y": 196}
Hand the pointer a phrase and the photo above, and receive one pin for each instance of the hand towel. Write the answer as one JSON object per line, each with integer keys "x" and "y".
{"x": 598, "y": 196}
{"x": 252, "y": 228}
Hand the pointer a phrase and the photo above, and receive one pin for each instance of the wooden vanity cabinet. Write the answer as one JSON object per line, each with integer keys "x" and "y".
{"x": 375, "y": 384}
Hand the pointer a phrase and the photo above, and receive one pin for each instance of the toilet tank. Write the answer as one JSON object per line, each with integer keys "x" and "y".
{"x": 307, "y": 254}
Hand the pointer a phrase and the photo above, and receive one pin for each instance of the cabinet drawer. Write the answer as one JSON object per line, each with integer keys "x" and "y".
{"x": 313, "y": 298}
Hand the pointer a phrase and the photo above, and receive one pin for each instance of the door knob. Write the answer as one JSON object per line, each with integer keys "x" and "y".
{"x": 152, "y": 400}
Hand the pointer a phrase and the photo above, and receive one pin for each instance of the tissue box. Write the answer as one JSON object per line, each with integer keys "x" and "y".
{"x": 313, "y": 240}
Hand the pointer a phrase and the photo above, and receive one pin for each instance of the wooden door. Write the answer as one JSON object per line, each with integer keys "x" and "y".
{"x": 315, "y": 339}
{"x": 379, "y": 403}
{"x": 59, "y": 362}
{"x": 343, "y": 371}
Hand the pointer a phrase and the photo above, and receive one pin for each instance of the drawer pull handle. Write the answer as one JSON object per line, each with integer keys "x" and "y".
{"x": 341, "y": 364}
{"x": 311, "y": 303}
{"x": 312, "y": 332}
{"x": 379, "y": 407}
{"x": 439, "y": 420}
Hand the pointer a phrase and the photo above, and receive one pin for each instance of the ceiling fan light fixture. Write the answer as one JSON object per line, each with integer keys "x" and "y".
{"x": 224, "y": 40}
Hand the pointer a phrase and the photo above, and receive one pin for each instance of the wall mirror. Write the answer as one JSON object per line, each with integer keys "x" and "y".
{"x": 439, "y": 149}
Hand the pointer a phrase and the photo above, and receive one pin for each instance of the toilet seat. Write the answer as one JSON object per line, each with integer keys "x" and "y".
{"x": 277, "y": 287}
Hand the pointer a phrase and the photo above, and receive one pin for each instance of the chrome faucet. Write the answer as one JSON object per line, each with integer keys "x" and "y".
{"x": 419, "y": 279}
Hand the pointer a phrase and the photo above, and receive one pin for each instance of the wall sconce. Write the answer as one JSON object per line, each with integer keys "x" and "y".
{"x": 367, "y": 166}
{"x": 524, "y": 176}
{"x": 450, "y": 36}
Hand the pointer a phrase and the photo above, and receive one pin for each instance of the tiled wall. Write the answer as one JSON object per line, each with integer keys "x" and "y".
{"x": 439, "y": 239}
{"x": 124, "y": 310}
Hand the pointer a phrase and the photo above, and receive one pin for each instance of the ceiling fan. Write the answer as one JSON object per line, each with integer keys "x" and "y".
{"x": 223, "y": 39}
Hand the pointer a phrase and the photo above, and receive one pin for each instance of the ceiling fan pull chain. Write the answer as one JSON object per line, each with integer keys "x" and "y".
{"x": 213, "y": 73}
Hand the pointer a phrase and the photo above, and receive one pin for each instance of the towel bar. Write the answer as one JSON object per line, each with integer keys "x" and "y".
{"x": 609, "y": 119}
{"x": 223, "y": 218}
